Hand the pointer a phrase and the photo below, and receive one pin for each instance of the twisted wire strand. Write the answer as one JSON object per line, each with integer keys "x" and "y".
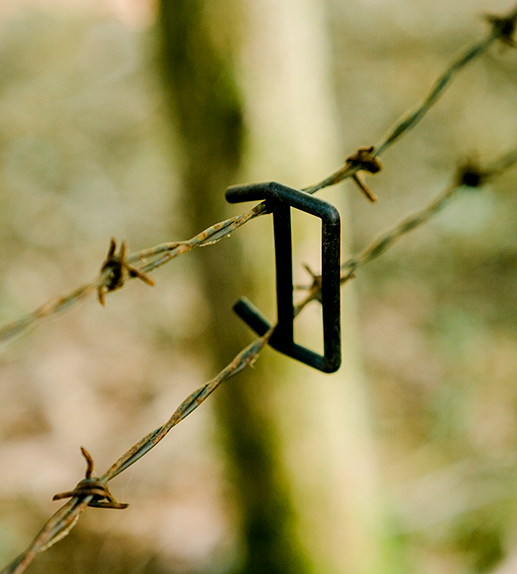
{"x": 155, "y": 257}
{"x": 412, "y": 118}
{"x": 60, "y": 524}
{"x": 387, "y": 239}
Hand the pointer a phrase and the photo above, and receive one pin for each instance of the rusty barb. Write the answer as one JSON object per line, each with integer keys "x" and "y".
{"x": 503, "y": 27}
{"x": 117, "y": 270}
{"x": 121, "y": 267}
{"x": 469, "y": 174}
{"x": 94, "y": 487}
{"x": 364, "y": 160}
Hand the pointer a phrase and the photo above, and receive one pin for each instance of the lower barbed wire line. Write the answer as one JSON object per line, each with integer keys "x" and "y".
{"x": 54, "y": 530}
{"x": 65, "y": 519}
{"x": 385, "y": 240}
{"x": 245, "y": 358}
{"x": 382, "y": 243}
{"x": 378, "y": 246}
{"x": 499, "y": 166}
{"x": 62, "y": 522}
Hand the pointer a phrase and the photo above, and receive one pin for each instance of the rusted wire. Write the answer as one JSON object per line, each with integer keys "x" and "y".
{"x": 145, "y": 261}
{"x": 118, "y": 271}
{"x": 502, "y": 29}
{"x": 118, "y": 268}
{"x": 92, "y": 486}
{"x": 94, "y": 492}
{"x": 469, "y": 175}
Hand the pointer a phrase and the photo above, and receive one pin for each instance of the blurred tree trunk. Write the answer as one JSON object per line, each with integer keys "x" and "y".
{"x": 303, "y": 437}
{"x": 207, "y": 110}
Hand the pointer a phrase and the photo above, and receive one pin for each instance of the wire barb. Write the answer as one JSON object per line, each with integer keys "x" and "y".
{"x": 117, "y": 270}
{"x": 364, "y": 160}
{"x": 94, "y": 487}
{"x": 471, "y": 175}
{"x": 503, "y": 27}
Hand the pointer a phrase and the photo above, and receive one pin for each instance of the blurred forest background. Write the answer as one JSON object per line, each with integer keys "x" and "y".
{"x": 129, "y": 118}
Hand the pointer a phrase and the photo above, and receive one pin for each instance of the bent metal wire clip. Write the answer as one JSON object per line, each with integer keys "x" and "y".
{"x": 279, "y": 200}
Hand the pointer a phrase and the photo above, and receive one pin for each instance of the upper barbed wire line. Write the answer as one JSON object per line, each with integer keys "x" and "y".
{"x": 409, "y": 121}
{"x": 57, "y": 304}
{"x": 60, "y": 524}
{"x": 503, "y": 28}
{"x": 165, "y": 252}
{"x": 470, "y": 175}
{"x": 159, "y": 255}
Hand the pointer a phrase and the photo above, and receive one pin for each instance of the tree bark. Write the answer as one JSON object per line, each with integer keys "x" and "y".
{"x": 207, "y": 110}
{"x": 299, "y": 443}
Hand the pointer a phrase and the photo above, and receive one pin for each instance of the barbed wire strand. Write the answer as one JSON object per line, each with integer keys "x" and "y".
{"x": 502, "y": 28}
{"x": 160, "y": 254}
{"x": 469, "y": 176}
{"x": 66, "y": 517}
{"x": 60, "y": 524}
{"x": 63, "y": 521}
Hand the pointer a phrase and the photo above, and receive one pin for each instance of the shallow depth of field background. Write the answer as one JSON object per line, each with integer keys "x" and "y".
{"x": 404, "y": 461}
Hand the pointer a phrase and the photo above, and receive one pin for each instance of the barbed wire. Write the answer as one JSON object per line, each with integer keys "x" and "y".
{"x": 365, "y": 159}
{"x": 469, "y": 176}
{"x": 502, "y": 28}
{"x": 93, "y": 491}
{"x": 120, "y": 267}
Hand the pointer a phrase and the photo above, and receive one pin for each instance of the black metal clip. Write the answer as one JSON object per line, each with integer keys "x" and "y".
{"x": 279, "y": 199}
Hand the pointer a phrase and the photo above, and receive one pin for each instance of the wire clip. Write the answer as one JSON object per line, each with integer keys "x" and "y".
{"x": 279, "y": 200}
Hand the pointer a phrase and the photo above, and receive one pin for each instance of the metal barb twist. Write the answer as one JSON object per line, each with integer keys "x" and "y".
{"x": 117, "y": 270}
{"x": 94, "y": 487}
